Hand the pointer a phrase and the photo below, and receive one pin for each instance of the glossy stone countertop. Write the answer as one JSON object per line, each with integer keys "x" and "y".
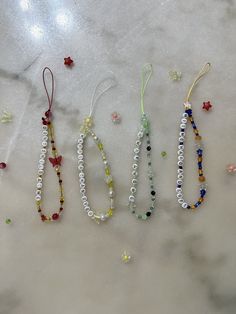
{"x": 183, "y": 262}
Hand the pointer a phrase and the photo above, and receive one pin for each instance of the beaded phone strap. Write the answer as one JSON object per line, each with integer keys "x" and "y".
{"x": 85, "y": 131}
{"x": 55, "y": 160}
{"x": 188, "y": 116}
{"x": 143, "y": 131}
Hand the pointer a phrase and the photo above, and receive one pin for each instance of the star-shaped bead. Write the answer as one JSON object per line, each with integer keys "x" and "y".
{"x": 125, "y": 257}
{"x": 175, "y": 75}
{"x": 68, "y": 61}
{"x": 206, "y": 105}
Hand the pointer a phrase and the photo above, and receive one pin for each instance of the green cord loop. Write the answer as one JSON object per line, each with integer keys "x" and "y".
{"x": 145, "y": 77}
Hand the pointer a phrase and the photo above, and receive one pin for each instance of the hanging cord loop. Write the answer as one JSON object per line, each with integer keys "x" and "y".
{"x": 145, "y": 77}
{"x": 50, "y": 97}
{"x": 103, "y": 86}
{"x": 205, "y": 69}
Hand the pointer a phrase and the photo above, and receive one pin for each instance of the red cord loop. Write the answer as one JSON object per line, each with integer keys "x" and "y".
{"x": 50, "y": 98}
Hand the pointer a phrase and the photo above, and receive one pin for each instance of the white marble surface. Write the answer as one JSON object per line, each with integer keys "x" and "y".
{"x": 184, "y": 263}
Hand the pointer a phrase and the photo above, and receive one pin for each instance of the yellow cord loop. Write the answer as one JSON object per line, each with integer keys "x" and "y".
{"x": 145, "y": 77}
{"x": 205, "y": 69}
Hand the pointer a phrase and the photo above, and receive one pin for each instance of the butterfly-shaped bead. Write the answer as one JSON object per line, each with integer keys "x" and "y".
{"x": 55, "y": 161}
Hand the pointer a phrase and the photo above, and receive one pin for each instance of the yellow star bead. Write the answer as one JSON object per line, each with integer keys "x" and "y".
{"x": 110, "y": 184}
{"x": 100, "y": 146}
{"x": 125, "y": 257}
{"x": 107, "y": 171}
{"x": 110, "y": 212}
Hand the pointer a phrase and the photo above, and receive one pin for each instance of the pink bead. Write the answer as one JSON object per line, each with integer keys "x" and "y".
{"x": 231, "y": 168}
{"x": 116, "y": 118}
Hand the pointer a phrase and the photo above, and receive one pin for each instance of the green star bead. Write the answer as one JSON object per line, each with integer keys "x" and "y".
{"x": 163, "y": 154}
{"x": 8, "y": 221}
{"x": 175, "y": 75}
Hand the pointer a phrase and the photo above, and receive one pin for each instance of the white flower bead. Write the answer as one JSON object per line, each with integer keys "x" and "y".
{"x": 184, "y": 205}
{"x": 44, "y": 143}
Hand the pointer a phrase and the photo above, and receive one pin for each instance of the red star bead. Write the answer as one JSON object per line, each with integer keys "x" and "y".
{"x": 68, "y": 61}
{"x": 206, "y": 105}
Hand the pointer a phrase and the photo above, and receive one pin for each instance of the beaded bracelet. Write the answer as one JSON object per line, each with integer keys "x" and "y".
{"x": 86, "y": 130}
{"x": 143, "y": 131}
{"x": 188, "y": 116}
{"x": 55, "y": 160}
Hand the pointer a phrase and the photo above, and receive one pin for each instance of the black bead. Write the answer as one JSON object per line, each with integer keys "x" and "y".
{"x": 148, "y": 214}
{"x": 153, "y": 192}
{"x": 149, "y": 148}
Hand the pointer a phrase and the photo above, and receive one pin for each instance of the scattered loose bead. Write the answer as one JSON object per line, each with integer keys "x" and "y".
{"x": 8, "y": 221}
{"x": 231, "y": 168}
{"x": 206, "y": 105}
{"x": 175, "y": 75}
{"x": 116, "y": 117}
{"x": 68, "y": 61}
{"x": 125, "y": 257}
{"x": 163, "y": 154}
